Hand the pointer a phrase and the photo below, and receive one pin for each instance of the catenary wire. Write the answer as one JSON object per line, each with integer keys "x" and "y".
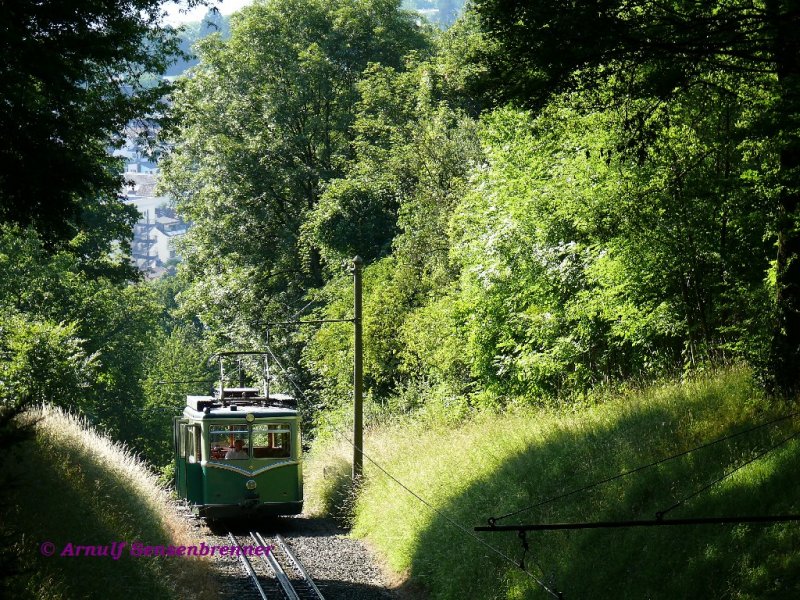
{"x": 587, "y": 487}
{"x": 439, "y": 512}
{"x": 660, "y": 514}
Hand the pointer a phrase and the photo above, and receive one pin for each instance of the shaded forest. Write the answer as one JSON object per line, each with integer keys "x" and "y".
{"x": 536, "y": 222}
{"x": 545, "y": 206}
{"x": 553, "y": 201}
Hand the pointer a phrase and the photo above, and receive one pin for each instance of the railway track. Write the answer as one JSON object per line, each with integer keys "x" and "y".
{"x": 277, "y": 574}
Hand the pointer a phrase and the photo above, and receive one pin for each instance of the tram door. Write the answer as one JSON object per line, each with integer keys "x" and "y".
{"x": 179, "y": 444}
{"x": 193, "y": 458}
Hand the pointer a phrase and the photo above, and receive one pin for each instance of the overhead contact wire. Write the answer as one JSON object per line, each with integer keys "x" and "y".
{"x": 760, "y": 455}
{"x": 442, "y": 514}
{"x": 585, "y": 488}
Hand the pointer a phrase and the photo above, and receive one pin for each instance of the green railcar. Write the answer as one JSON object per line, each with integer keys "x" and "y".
{"x": 238, "y": 453}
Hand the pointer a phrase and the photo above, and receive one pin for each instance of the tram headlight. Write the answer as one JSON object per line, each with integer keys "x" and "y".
{"x": 251, "y": 484}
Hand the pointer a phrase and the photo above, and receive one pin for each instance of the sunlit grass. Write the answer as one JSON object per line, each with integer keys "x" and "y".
{"x": 495, "y": 464}
{"x": 75, "y": 485}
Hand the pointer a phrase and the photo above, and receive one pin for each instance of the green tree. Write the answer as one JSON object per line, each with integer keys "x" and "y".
{"x": 582, "y": 265}
{"x": 553, "y": 259}
{"x": 265, "y": 123}
{"x": 74, "y": 75}
{"x": 657, "y": 50}
{"x": 175, "y": 368}
{"x": 71, "y": 339}
{"x": 415, "y": 148}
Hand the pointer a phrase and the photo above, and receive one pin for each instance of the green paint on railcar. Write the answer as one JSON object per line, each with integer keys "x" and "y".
{"x": 279, "y": 484}
{"x": 239, "y": 458}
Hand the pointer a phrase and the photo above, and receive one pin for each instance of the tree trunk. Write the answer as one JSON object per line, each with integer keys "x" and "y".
{"x": 785, "y": 363}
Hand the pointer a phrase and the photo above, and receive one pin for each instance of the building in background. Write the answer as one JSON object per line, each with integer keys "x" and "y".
{"x": 153, "y": 249}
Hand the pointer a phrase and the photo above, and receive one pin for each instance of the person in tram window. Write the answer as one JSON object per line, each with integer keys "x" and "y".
{"x": 237, "y": 452}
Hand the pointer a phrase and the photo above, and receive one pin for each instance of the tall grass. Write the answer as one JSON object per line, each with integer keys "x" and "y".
{"x": 496, "y": 464}
{"x": 77, "y": 486}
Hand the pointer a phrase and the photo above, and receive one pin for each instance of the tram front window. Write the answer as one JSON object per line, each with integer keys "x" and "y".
{"x": 229, "y": 442}
{"x": 272, "y": 441}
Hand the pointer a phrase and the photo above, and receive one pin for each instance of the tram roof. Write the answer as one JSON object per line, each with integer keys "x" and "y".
{"x": 211, "y": 407}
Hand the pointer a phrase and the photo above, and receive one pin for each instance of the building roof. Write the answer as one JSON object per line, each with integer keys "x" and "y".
{"x": 141, "y": 184}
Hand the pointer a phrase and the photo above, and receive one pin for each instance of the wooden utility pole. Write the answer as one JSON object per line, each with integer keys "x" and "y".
{"x": 358, "y": 373}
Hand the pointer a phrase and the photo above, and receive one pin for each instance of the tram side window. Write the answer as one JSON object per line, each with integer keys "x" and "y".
{"x": 193, "y": 444}
{"x": 223, "y": 441}
{"x": 272, "y": 441}
{"x": 182, "y": 440}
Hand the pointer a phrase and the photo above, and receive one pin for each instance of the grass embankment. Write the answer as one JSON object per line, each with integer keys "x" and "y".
{"x": 76, "y": 486}
{"x": 498, "y": 463}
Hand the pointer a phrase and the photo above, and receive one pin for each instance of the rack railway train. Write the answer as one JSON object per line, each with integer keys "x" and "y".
{"x": 238, "y": 452}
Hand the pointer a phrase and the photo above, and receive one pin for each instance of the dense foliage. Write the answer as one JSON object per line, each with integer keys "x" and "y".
{"x": 564, "y": 262}
{"x": 530, "y": 233}
{"x": 266, "y": 121}
{"x": 550, "y": 198}
{"x": 70, "y": 339}
{"x": 660, "y": 52}
{"x": 74, "y": 332}
{"x": 74, "y": 76}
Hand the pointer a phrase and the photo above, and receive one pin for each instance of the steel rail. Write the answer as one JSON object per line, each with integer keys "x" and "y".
{"x": 248, "y": 567}
{"x": 280, "y": 574}
{"x": 285, "y": 547}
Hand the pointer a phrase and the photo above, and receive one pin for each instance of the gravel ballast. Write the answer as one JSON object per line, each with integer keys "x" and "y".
{"x": 343, "y": 568}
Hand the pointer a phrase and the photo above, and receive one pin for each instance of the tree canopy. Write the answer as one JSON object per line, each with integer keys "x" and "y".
{"x": 73, "y": 77}
{"x": 76, "y": 77}
{"x": 659, "y": 50}
{"x": 266, "y": 122}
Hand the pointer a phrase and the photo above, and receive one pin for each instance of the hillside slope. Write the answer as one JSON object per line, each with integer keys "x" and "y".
{"x": 496, "y": 464}
{"x": 75, "y": 486}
